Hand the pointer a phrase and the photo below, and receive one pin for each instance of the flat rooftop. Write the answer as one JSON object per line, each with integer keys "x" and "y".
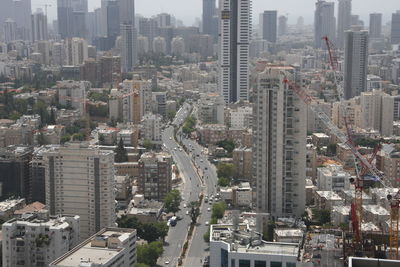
{"x": 367, "y": 262}
{"x": 86, "y": 253}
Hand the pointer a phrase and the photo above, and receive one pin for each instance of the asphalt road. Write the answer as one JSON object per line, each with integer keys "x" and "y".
{"x": 199, "y": 175}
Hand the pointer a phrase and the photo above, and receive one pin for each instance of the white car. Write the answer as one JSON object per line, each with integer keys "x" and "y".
{"x": 207, "y": 223}
{"x": 187, "y": 212}
{"x": 166, "y": 262}
{"x": 184, "y": 205}
{"x": 170, "y": 138}
{"x": 208, "y": 209}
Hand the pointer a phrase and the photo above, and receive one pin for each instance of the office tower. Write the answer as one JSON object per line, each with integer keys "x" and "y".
{"x": 80, "y": 5}
{"x": 80, "y": 181}
{"x": 36, "y": 239}
{"x": 355, "y": 62}
{"x": 128, "y": 47}
{"x": 155, "y": 175}
{"x": 375, "y": 25}
{"x": 76, "y": 51}
{"x": 344, "y": 21}
{"x": 39, "y": 26}
{"x": 20, "y": 12}
{"x": 324, "y": 22}
{"x": 65, "y": 18}
{"x": 113, "y": 19}
{"x": 108, "y": 247}
{"x": 128, "y": 34}
{"x": 164, "y": 20}
{"x": 210, "y": 18}
{"x": 279, "y": 147}
{"x": 234, "y": 39}
{"x": 270, "y": 25}
{"x": 395, "y": 32}
{"x": 159, "y": 45}
{"x": 355, "y": 21}
{"x": 10, "y": 30}
{"x": 282, "y": 25}
{"x": 79, "y": 28}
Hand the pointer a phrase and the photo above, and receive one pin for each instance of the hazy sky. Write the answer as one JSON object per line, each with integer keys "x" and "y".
{"x": 188, "y": 10}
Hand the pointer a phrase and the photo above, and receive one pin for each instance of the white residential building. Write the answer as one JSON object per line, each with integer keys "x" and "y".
{"x": 241, "y": 117}
{"x": 211, "y": 109}
{"x": 73, "y": 93}
{"x": 333, "y": 178}
{"x": 279, "y": 148}
{"x": 151, "y": 127}
{"x": 234, "y": 49}
{"x": 80, "y": 180}
{"x": 107, "y": 248}
{"x": 36, "y": 240}
{"x": 377, "y": 111}
{"x": 76, "y": 51}
{"x": 178, "y": 46}
{"x": 159, "y": 45}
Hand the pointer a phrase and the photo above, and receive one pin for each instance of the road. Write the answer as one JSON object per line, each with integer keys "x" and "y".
{"x": 199, "y": 175}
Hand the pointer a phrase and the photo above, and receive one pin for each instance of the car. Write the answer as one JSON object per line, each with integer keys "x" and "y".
{"x": 205, "y": 168}
{"x": 187, "y": 212}
{"x": 208, "y": 209}
{"x": 170, "y": 138}
{"x": 207, "y": 223}
{"x": 166, "y": 262}
{"x": 201, "y": 160}
{"x": 184, "y": 205}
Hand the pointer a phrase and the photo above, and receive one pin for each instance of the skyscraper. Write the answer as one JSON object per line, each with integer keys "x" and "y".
{"x": 20, "y": 12}
{"x": 395, "y": 32}
{"x": 344, "y": 20}
{"x": 270, "y": 25}
{"x": 324, "y": 22}
{"x": 355, "y": 62}
{"x": 39, "y": 26}
{"x": 279, "y": 153}
{"x": 282, "y": 25}
{"x": 375, "y": 25}
{"x": 210, "y": 24}
{"x": 65, "y": 18}
{"x": 234, "y": 39}
{"x": 128, "y": 34}
{"x": 80, "y": 181}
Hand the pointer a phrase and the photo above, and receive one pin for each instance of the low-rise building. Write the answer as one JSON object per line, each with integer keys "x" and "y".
{"x": 122, "y": 187}
{"x": 243, "y": 160}
{"x": 375, "y": 214}
{"x": 332, "y": 177}
{"x": 288, "y": 235}
{"x": 327, "y": 199}
{"x": 145, "y": 210}
{"x": 108, "y": 247}
{"x": 238, "y": 246}
{"x": 127, "y": 168}
{"x": 340, "y": 215}
{"x": 36, "y": 240}
{"x": 9, "y": 206}
{"x": 212, "y": 133}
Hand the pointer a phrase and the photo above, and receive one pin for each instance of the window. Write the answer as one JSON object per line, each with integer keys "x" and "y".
{"x": 260, "y": 264}
{"x": 290, "y": 264}
{"x": 224, "y": 258}
{"x": 244, "y": 263}
{"x": 276, "y": 264}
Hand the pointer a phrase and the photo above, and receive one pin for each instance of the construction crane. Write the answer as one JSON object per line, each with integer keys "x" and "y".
{"x": 366, "y": 164}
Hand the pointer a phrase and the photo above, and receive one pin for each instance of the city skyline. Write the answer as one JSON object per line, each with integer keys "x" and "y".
{"x": 192, "y": 9}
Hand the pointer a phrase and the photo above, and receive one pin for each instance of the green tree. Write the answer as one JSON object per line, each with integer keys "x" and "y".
{"x": 173, "y": 201}
{"x": 171, "y": 115}
{"x": 322, "y": 216}
{"x": 206, "y": 236}
{"x": 65, "y": 138}
{"x": 218, "y": 210}
{"x": 228, "y": 145}
{"x": 222, "y": 181}
{"x": 78, "y": 137}
{"x": 52, "y": 119}
{"x": 268, "y": 235}
{"x": 194, "y": 211}
{"x": 226, "y": 170}
{"x": 121, "y": 155}
{"x": 147, "y": 144}
{"x": 149, "y": 253}
{"x": 141, "y": 264}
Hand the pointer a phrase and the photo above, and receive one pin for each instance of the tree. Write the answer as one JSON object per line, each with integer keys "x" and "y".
{"x": 322, "y": 216}
{"x": 121, "y": 155}
{"x": 222, "y": 181}
{"x": 149, "y": 253}
{"x": 228, "y": 145}
{"x": 218, "y": 210}
{"x": 65, "y": 138}
{"x": 268, "y": 235}
{"x": 226, "y": 170}
{"x": 101, "y": 139}
{"x": 173, "y": 201}
{"x": 147, "y": 144}
{"x": 148, "y": 231}
{"x": 171, "y": 114}
{"x": 206, "y": 236}
{"x": 194, "y": 211}
{"x": 52, "y": 119}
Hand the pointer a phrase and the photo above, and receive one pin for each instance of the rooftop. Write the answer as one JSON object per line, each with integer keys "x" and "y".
{"x": 245, "y": 241}
{"x": 10, "y": 203}
{"x": 329, "y": 195}
{"x": 89, "y": 252}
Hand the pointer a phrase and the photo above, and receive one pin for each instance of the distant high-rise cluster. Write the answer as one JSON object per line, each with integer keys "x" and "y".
{"x": 324, "y": 22}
